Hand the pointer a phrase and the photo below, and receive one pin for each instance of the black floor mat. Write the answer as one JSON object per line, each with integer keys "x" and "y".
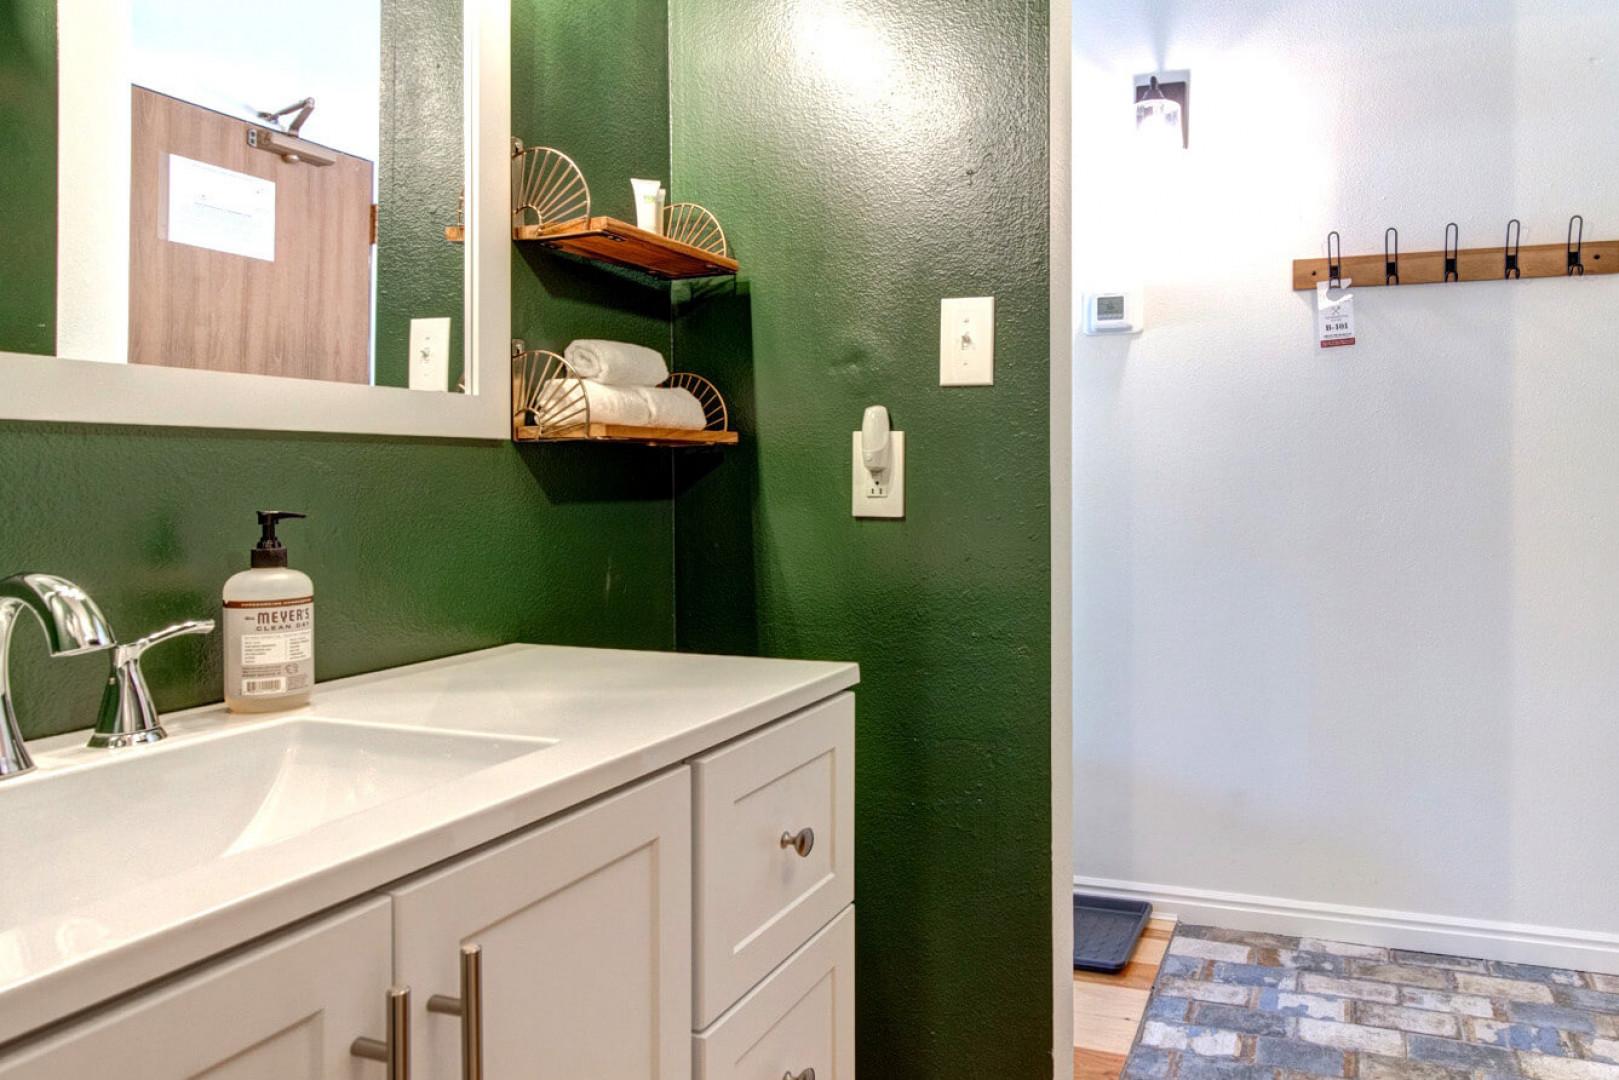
{"x": 1105, "y": 931}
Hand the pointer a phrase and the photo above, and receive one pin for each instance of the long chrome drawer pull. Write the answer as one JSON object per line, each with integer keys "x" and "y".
{"x": 803, "y": 842}
{"x": 393, "y": 1052}
{"x": 469, "y": 1007}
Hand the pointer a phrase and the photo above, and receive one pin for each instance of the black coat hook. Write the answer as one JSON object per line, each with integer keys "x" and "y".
{"x": 1576, "y": 242}
{"x": 1453, "y": 249}
{"x": 1335, "y": 260}
{"x": 1391, "y": 256}
{"x": 1514, "y": 235}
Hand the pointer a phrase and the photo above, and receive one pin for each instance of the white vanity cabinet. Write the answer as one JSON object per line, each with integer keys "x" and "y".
{"x": 584, "y": 933}
{"x": 583, "y": 926}
{"x": 664, "y": 892}
{"x": 286, "y": 1010}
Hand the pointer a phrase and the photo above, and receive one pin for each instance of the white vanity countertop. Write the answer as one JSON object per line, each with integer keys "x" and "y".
{"x": 599, "y": 719}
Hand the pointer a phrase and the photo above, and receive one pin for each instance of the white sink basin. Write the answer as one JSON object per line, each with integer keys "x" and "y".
{"x": 86, "y": 835}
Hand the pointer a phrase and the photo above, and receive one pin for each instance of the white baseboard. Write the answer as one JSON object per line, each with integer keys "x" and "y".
{"x": 1516, "y": 942}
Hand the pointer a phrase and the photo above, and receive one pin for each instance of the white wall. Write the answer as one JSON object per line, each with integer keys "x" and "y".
{"x": 240, "y": 58}
{"x": 1347, "y": 624}
{"x": 92, "y": 184}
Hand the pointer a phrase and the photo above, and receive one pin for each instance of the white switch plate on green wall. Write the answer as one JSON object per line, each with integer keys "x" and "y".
{"x": 967, "y": 341}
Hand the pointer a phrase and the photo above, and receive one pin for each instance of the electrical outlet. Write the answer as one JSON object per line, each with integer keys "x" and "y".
{"x": 880, "y": 495}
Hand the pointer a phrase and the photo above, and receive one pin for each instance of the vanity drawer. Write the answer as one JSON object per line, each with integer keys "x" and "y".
{"x": 801, "y": 1017}
{"x": 758, "y": 897}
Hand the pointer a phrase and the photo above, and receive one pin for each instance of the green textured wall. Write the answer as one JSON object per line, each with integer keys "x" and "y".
{"x": 591, "y": 78}
{"x": 419, "y": 548}
{"x": 867, "y": 160}
{"x": 419, "y": 178}
{"x": 28, "y": 176}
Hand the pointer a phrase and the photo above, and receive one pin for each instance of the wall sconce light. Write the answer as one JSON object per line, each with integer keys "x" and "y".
{"x": 1162, "y": 118}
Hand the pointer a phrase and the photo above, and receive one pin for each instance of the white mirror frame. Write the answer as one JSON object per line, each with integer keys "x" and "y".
{"x": 88, "y": 392}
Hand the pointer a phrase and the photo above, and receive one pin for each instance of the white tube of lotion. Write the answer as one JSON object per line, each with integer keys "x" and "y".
{"x": 646, "y": 204}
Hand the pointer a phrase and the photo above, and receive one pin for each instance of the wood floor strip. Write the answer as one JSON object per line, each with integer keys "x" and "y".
{"x": 1108, "y": 1008}
{"x": 1097, "y": 1065}
{"x": 1106, "y": 1017}
{"x": 1135, "y": 976}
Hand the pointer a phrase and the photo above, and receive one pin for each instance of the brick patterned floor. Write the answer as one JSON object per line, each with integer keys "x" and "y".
{"x": 1229, "y": 1005}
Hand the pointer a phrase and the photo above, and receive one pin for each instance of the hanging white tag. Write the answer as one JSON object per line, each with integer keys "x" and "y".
{"x": 1335, "y": 314}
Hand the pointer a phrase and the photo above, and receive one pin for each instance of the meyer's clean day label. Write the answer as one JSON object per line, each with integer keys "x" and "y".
{"x": 277, "y": 653}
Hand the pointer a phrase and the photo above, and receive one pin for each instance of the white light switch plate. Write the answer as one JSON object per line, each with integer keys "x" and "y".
{"x": 887, "y": 499}
{"x": 967, "y": 341}
{"x": 430, "y": 354}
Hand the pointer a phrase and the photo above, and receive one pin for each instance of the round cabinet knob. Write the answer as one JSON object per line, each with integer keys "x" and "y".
{"x": 803, "y": 842}
{"x": 807, "y": 1074}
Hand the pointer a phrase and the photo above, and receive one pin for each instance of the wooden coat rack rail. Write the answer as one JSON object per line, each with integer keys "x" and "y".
{"x": 1577, "y": 258}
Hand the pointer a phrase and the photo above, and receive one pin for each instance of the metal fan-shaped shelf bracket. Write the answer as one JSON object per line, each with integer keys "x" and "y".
{"x": 714, "y": 410}
{"x": 548, "y": 190}
{"x": 695, "y": 226}
{"x": 457, "y": 233}
{"x": 546, "y": 395}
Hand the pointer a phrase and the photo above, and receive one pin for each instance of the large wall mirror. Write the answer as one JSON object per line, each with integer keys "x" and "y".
{"x": 227, "y": 215}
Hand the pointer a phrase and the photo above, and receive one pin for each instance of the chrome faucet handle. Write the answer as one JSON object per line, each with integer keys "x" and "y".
{"x": 136, "y": 649}
{"x": 127, "y": 716}
{"x": 73, "y": 624}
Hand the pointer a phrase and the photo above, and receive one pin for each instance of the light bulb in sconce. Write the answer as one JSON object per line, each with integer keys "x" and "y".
{"x": 1161, "y": 111}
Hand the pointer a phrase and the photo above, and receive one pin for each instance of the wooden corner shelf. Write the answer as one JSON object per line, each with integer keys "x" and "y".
{"x": 609, "y": 240}
{"x": 642, "y": 436}
{"x": 551, "y": 404}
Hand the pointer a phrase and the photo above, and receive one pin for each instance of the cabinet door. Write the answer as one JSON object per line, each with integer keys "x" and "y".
{"x": 585, "y": 930}
{"x": 287, "y": 1010}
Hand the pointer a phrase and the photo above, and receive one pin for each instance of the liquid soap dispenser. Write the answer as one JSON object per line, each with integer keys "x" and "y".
{"x": 269, "y": 622}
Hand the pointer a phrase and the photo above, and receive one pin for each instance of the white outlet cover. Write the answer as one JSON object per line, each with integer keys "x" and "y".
{"x": 430, "y": 354}
{"x": 867, "y": 499}
{"x": 967, "y": 341}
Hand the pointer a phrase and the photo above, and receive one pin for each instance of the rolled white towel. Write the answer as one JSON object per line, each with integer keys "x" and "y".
{"x": 676, "y": 407}
{"x": 616, "y": 363}
{"x": 644, "y": 406}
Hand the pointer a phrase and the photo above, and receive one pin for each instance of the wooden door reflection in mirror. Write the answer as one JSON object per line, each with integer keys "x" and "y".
{"x": 266, "y": 282}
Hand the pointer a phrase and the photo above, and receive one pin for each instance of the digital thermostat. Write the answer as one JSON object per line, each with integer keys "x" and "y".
{"x": 1113, "y": 312}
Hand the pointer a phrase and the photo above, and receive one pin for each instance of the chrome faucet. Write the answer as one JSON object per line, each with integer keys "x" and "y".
{"x": 73, "y": 625}
{"x": 127, "y": 716}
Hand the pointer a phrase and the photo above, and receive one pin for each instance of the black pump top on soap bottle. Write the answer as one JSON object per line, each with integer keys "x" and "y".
{"x": 271, "y": 553}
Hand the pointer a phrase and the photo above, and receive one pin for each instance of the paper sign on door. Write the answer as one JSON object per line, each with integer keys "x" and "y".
{"x": 220, "y": 209}
{"x": 1335, "y": 314}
